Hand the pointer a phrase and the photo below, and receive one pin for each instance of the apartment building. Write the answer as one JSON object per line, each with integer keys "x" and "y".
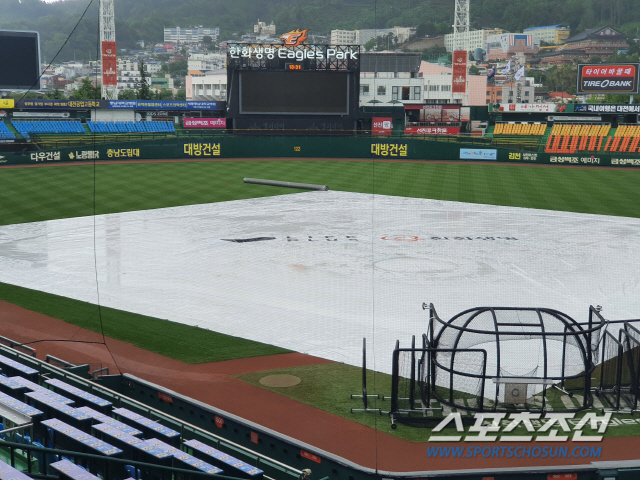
{"x": 471, "y": 40}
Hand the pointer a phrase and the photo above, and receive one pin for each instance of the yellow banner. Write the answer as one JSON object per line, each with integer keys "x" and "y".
{"x": 7, "y": 103}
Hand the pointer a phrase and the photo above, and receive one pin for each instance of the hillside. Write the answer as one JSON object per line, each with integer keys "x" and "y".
{"x": 144, "y": 19}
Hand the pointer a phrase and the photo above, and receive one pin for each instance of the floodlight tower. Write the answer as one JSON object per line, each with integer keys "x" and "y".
{"x": 461, "y": 25}
{"x": 108, "y": 49}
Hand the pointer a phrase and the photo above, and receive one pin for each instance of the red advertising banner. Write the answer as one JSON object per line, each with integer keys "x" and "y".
{"x": 109, "y": 64}
{"x": 205, "y": 123}
{"x": 611, "y": 78}
{"x": 459, "y": 74}
{"x": 432, "y": 130}
{"x": 382, "y": 126}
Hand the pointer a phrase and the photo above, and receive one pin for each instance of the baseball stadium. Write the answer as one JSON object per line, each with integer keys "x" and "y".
{"x": 315, "y": 289}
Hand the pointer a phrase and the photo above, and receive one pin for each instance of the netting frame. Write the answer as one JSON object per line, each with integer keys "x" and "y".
{"x": 426, "y": 389}
{"x": 586, "y": 338}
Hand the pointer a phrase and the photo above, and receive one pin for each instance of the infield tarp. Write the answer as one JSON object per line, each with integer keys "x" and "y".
{"x": 315, "y": 272}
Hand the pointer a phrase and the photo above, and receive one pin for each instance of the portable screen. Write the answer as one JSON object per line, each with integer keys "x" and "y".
{"x": 19, "y": 60}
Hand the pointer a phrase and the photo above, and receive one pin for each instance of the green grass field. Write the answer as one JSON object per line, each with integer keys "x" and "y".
{"x": 37, "y": 194}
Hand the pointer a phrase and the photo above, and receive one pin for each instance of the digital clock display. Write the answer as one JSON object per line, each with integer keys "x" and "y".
{"x": 293, "y": 66}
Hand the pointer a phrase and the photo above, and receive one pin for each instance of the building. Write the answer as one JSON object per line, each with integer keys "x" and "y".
{"x": 206, "y": 85}
{"x": 472, "y": 40}
{"x": 343, "y": 37}
{"x": 595, "y": 42}
{"x": 405, "y": 78}
{"x": 262, "y": 29}
{"x": 361, "y": 37}
{"x": 551, "y": 34}
{"x": 508, "y": 92}
{"x": 206, "y": 61}
{"x": 190, "y": 34}
{"x": 506, "y": 45}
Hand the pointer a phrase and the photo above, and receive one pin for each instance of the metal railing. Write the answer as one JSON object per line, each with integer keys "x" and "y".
{"x": 116, "y": 398}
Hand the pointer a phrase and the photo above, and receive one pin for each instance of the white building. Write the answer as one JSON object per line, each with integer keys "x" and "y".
{"x": 206, "y": 61}
{"x": 553, "y": 34}
{"x": 360, "y": 37}
{"x": 472, "y": 40}
{"x": 207, "y": 86}
{"x": 190, "y": 34}
{"x": 343, "y": 37}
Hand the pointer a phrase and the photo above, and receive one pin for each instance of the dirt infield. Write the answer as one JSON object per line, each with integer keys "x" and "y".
{"x": 212, "y": 383}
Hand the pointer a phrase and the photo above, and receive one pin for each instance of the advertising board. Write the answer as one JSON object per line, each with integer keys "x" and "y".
{"x": 205, "y": 123}
{"x": 109, "y": 64}
{"x": 597, "y": 108}
{"x": 459, "y": 73}
{"x": 162, "y": 105}
{"x": 478, "y": 154}
{"x": 7, "y": 102}
{"x": 382, "y": 126}
{"x": 608, "y": 78}
{"x": 529, "y": 107}
{"x": 432, "y": 130}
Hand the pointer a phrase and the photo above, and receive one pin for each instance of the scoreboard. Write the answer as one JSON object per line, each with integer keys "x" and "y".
{"x": 293, "y": 86}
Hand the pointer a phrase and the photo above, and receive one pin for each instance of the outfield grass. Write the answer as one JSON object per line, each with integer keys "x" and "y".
{"x": 35, "y": 194}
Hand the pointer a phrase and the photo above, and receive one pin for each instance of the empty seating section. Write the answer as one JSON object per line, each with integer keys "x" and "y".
{"x": 5, "y": 133}
{"x": 572, "y": 138}
{"x": 130, "y": 127}
{"x": 513, "y": 128}
{"x": 92, "y": 427}
{"x": 27, "y": 127}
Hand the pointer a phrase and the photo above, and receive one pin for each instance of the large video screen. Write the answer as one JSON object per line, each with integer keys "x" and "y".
{"x": 19, "y": 60}
{"x": 294, "y": 93}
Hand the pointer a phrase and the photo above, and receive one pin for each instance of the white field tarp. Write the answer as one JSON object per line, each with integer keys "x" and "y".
{"x": 316, "y": 272}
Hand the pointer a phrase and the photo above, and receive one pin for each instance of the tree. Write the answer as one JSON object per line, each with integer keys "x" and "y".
{"x": 181, "y": 95}
{"x": 473, "y": 70}
{"x": 25, "y": 95}
{"x": 207, "y": 40}
{"x": 164, "y": 95}
{"x": 55, "y": 95}
{"x": 593, "y": 99}
{"x": 370, "y": 44}
{"x": 127, "y": 94}
{"x": 87, "y": 91}
{"x": 143, "y": 92}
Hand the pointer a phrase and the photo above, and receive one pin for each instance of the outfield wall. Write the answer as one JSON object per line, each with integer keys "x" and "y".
{"x": 231, "y": 147}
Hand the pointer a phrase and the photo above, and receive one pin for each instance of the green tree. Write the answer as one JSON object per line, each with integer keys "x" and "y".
{"x": 143, "y": 92}
{"x": 87, "y": 91}
{"x": 164, "y": 95}
{"x": 181, "y": 95}
{"x": 593, "y": 99}
{"x": 562, "y": 78}
{"x": 127, "y": 94}
{"x": 25, "y": 95}
{"x": 473, "y": 70}
{"x": 55, "y": 95}
{"x": 370, "y": 44}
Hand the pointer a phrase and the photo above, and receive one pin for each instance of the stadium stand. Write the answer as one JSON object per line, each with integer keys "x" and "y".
{"x": 512, "y": 128}
{"x": 51, "y": 424}
{"x": 570, "y": 138}
{"x": 27, "y": 127}
{"x": 5, "y": 133}
{"x": 130, "y": 127}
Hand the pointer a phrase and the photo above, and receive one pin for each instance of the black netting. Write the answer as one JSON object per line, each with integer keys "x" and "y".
{"x": 610, "y": 370}
{"x": 630, "y": 366}
{"x": 548, "y": 347}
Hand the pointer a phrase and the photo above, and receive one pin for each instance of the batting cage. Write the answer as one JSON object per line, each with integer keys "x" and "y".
{"x": 499, "y": 359}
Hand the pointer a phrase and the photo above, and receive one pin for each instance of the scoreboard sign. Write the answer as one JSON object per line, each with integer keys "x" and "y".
{"x": 621, "y": 78}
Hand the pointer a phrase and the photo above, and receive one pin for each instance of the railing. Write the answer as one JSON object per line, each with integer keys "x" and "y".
{"x": 123, "y": 401}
